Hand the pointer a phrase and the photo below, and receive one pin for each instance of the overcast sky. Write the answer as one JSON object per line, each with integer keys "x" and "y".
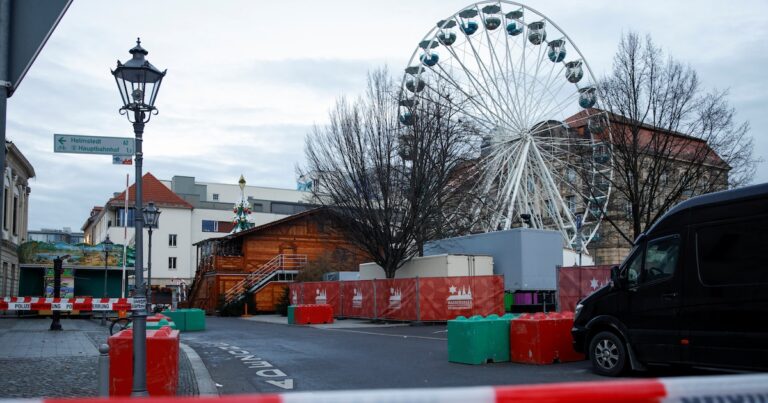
{"x": 247, "y": 79}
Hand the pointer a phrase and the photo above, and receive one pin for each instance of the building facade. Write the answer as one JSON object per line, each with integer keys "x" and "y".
{"x": 49, "y": 235}
{"x": 190, "y": 212}
{"x": 664, "y": 167}
{"x": 16, "y": 191}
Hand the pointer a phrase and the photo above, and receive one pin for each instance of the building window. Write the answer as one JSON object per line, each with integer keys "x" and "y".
{"x": 172, "y": 240}
{"x": 5, "y": 216}
{"x": 258, "y": 207}
{"x": 15, "y": 215}
{"x": 217, "y": 226}
{"x": 171, "y": 263}
{"x": 215, "y": 196}
{"x": 120, "y": 213}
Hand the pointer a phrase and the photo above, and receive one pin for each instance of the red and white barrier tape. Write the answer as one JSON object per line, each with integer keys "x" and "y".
{"x": 723, "y": 388}
{"x": 65, "y": 304}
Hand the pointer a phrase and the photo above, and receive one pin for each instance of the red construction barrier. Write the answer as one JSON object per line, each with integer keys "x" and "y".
{"x": 564, "y": 339}
{"x": 162, "y": 362}
{"x": 322, "y": 293}
{"x": 445, "y": 298}
{"x": 312, "y": 314}
{"x": 396, "y": 299}
{"x": 426, "y": 298}
{"x": 721, "y": 388}
{"x": 158, "y": 317}
{"x": 357, "y": 299}
{"x": 578, "y": 282}
{"x": 542, "y": 338}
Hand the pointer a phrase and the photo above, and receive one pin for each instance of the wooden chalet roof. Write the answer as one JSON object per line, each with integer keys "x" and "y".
{"x": 271, "y": 224}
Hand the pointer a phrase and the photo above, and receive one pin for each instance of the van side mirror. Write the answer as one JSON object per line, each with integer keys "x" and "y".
{"x": 615, "y": 279}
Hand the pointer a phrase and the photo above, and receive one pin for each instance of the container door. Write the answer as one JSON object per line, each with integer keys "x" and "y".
{"x": 653, "y": 316}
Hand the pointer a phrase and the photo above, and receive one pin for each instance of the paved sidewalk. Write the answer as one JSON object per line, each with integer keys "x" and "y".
{"x": 35, "y": 362}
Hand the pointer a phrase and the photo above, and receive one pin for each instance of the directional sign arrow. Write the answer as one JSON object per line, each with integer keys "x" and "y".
{"x": 79, "y": 144}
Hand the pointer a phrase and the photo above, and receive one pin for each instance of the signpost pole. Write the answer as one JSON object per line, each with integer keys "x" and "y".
{"x": 5, "y": 45}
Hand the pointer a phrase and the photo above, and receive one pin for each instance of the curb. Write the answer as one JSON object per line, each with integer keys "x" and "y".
{"x": 205, "y": 384}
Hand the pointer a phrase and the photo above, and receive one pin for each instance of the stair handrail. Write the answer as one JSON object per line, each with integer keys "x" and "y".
{"x": 279, "y": 262}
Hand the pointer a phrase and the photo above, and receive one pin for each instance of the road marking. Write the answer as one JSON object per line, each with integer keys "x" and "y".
{"x": 389, "y": 335}
{"x": 254, "y": 362}
{"x": 286, "y": 384}
{"x": 440, "y": 331}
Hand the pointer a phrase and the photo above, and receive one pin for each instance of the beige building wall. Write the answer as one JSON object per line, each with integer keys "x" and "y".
{"x": 13, "y": 225}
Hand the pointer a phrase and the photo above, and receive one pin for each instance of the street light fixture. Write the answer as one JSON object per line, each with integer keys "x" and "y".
{"x": 107, "y": 245}
{"x": 151, "y": 217}
{"x": 138, "y": 82}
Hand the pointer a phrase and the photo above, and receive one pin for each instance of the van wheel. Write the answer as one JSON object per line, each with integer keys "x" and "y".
{"x": 608, "y": 354}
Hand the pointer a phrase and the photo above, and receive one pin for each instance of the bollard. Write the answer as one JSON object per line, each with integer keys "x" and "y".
{"x": 104, "y": 370}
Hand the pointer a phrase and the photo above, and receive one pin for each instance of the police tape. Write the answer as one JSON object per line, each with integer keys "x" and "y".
{"x": 65, "y": 304}
{"x": 702, "y": 389}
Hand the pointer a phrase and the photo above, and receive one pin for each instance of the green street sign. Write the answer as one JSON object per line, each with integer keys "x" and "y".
{"x": 76, "y": 144}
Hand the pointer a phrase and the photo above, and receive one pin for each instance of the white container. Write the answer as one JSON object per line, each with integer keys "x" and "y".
{"x": 434, "y": 266}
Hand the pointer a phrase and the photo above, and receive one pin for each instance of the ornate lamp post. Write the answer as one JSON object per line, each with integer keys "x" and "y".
{"x": 107, "y": 244}
{"x": 138, "y": 82}
{"x": 151, "y": 217}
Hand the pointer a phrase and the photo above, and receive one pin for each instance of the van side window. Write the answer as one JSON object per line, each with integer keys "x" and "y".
{"x": 634, "y": 265}
{"x": 733, "y": 253}
{"x": 661, "y": 258}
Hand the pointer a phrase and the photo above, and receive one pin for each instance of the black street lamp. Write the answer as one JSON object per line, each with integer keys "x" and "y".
{"x": 107, "y": 245}
{"x": 138, "y": 82}
{"x": 151, "y": 217}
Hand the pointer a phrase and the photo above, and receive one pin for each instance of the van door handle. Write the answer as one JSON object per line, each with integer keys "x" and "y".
{"x": 669, "y": 296}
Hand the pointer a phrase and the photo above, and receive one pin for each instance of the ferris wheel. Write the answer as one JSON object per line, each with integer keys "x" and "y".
{"x": 527, "y": 91}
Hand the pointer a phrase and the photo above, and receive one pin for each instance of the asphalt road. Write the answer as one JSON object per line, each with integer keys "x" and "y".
{"x": 246, "y": 357}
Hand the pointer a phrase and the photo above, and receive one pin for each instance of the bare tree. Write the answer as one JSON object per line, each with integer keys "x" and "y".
{"x": 387, "y": 174}
{"x": 671, "y": 139}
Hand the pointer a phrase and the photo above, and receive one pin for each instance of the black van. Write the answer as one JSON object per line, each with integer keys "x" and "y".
{"x": 693, "y": 291}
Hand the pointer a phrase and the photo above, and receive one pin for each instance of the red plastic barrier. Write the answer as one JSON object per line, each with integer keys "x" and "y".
{"x": 444, "y": 298}
{"x": 575, "y": 283}
{"x": 542, "y": 339}
{"x": 564, "y": 339}
{"x": 357, "y": 299}
{"x": 162, "y": 362}
{"x": 312, "y": 314}
{"x": 396, "y": 299}
{"x": 158, "y": 317}
{"x": 322, "y": 293}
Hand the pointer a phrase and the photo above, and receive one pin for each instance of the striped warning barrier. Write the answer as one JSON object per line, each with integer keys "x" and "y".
{"x": 724, "y": 388}
{"x": 65, "y": 304}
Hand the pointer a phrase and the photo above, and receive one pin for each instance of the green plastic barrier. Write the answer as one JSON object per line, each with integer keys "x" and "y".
{"x": 291, "y": 315}
{"x": 187, "y": 320}
{"x": 478, "y": 340}
{"x": 179, "y": 317}
{"x": 509, "y": 300}
{"x": 157, "y": 325}
{"x": 195, "y": 319}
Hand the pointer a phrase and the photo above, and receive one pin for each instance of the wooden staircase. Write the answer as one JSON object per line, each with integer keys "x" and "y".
{"x": 280, "y": 264}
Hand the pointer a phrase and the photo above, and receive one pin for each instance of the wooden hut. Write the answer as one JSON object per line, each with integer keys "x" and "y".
{"x": 263, "y": 259}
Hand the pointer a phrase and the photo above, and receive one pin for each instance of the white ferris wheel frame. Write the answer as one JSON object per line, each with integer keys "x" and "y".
{"x": 509, "y": 180}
